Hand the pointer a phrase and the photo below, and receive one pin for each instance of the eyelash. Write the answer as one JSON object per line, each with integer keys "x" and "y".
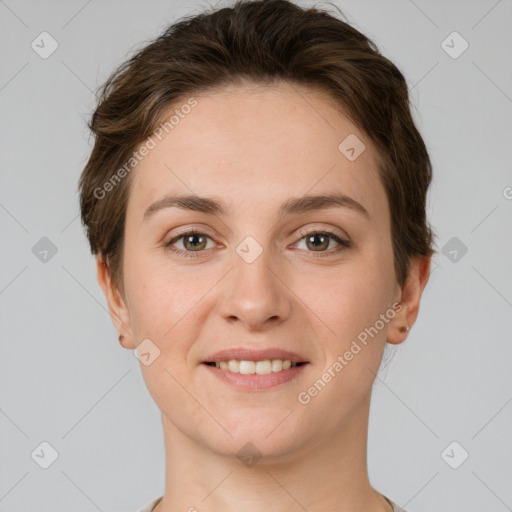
{"x": 345, "y": 244}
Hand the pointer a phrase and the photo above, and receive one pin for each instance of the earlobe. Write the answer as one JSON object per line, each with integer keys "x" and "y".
{"x": 117, "y": 308}
{"x": 411, "y": 292}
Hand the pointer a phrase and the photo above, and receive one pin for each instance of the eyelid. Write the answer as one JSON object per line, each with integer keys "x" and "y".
{"x": 339, "y": 237}
{"x": 343, "y": 241}
{"x": 304, "y": 231}
{"x": 184, "y": 230}
{"x": 181, "y": 233}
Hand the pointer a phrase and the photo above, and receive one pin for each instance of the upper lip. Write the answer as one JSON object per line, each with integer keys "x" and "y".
{"x": 246, "y": 354}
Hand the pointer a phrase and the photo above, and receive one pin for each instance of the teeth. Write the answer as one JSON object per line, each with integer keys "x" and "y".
{"x": 255, "y": 367}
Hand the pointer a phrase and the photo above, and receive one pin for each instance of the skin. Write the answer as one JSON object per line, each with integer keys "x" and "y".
{"x": 254, "y": 147}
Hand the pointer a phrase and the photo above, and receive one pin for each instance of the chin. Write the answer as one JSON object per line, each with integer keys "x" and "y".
{"x": 268, "y": 438}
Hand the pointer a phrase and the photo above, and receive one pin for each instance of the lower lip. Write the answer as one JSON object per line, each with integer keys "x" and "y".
{"x": 255, "y": 382}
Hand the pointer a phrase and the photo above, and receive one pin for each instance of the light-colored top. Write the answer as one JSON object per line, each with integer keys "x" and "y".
{"x": 150, "y": 506}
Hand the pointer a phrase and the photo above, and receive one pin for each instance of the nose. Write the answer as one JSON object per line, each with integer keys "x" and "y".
{"x": 255, "y": 293}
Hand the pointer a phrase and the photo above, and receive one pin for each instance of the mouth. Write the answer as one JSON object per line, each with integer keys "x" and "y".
{"x": 247, "y": 369}
{"x": 255, "y": 376}
{"x": 248, "y": 360}
{"x": 263, "y": 367}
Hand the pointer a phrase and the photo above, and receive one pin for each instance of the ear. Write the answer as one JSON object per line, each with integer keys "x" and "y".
{"x": 116, "y": 304}
{"x": 411, "y": 291}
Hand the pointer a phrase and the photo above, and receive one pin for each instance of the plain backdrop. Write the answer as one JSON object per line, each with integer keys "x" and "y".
{"x": 65, "y": 380}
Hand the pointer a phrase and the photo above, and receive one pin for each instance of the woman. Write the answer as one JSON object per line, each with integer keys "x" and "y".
{"x": 255, "y": 199}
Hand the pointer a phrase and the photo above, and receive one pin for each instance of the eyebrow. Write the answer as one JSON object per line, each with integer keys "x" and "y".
{"x": 291, "y": 206}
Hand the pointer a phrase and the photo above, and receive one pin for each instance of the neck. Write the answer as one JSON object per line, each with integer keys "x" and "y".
{"x": 329, "y": 475}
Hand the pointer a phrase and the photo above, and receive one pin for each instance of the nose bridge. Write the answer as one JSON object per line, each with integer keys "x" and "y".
{"x": 255, "y": 293}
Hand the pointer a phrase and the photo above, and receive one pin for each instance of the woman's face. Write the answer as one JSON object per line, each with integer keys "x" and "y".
{"x": 256, "y": 277}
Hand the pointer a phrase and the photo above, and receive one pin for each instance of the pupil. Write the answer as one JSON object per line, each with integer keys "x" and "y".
{"x": 313, "y": 237}
{"x": 192, "y": 237}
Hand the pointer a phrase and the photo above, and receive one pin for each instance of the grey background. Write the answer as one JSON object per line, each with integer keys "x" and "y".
{"x": 64, "y": 378}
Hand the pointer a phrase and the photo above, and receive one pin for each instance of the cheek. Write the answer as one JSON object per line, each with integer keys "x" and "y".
{"x": 161, "y": 297}
{"x": 171, "y": 321}
{"x": 166, "y": 307}
{"x": 351, "y": 306}
{"x": 349, "y": 298}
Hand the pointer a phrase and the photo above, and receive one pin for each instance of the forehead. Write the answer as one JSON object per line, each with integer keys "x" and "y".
{"x": 258, "y": 142}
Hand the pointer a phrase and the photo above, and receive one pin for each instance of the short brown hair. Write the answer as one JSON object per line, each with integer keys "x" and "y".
{"x": 260, "y": 41}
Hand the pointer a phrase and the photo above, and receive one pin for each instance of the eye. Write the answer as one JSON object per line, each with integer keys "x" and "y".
{"x": 319, "y": 241}
{"x": 193, "y": 241}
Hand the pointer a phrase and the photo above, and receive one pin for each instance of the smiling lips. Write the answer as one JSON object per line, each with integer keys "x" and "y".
{"x": 246, "y": 367}
{"x": 245, "y": 354}
{"x": 260, "y": 362}
{"x": 255, "y": 369}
